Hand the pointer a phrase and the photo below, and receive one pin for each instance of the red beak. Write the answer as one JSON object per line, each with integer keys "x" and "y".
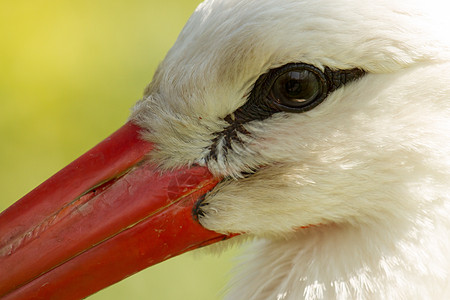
{"x": 104, "y": 217}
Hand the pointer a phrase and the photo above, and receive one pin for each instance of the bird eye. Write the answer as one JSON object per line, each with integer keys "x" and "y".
{"x": 294, "y": 87}
{"x": 297, "y": 87}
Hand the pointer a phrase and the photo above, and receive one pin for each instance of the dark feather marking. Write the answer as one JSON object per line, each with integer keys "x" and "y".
{"x": 256, "y": 108}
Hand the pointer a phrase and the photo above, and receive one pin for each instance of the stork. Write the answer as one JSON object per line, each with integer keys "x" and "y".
{"x": 317, "y": 130}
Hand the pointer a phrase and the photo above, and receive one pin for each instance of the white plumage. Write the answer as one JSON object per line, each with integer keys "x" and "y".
{"x": 369, "y": 167}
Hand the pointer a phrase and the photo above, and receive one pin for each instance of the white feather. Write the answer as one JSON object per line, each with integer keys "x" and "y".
{"x": 369, "y": 168}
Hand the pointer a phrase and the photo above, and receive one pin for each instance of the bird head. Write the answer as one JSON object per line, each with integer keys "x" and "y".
{"x": 313, "y": 113}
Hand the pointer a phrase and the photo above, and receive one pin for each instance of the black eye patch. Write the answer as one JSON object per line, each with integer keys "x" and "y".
{"x": 293, "y": 88}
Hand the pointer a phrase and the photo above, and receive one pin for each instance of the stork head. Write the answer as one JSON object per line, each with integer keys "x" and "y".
{"x": 313, "y": 112}
{"x": 319, "y": 114}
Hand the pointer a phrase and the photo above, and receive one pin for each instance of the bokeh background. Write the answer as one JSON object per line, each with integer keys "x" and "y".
{"x": 69, "y": 73}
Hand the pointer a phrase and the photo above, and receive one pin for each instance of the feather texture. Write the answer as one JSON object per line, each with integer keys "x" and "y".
{"x": 369, "y": 167}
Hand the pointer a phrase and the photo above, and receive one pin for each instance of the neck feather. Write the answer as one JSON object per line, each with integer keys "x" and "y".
{"x": 405, "y": 259}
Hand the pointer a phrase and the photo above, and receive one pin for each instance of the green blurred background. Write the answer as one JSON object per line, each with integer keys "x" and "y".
{"x": 69, "y": 72}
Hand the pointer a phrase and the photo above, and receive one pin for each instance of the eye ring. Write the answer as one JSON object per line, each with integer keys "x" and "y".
{"x": 296, "y": 87}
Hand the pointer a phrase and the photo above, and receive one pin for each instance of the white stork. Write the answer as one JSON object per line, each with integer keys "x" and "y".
{"x": 327, "y": 127}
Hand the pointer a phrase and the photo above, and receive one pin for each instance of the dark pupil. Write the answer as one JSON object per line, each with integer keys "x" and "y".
{"x": 293, "y": 87}
{"x": 296, "y": 88}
